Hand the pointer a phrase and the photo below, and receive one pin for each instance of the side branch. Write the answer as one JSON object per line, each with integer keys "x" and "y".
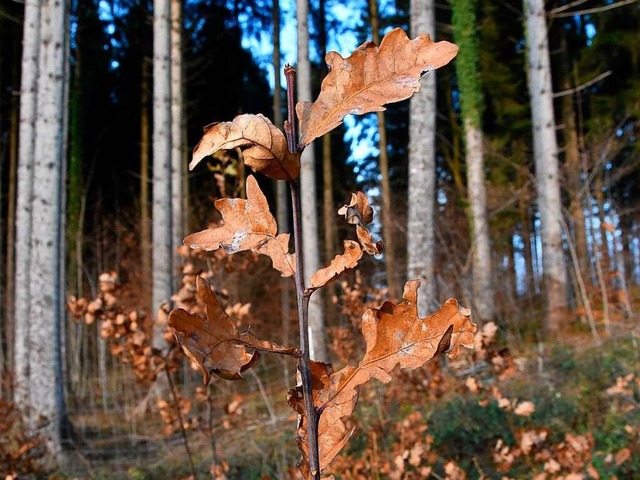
{"x": 579, "y": 88}
{"x": 588, "y": 11}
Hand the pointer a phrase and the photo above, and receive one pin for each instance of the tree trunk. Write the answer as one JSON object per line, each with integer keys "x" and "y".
{"x": 177, "y": 123}
{"x": 387, "y": 216}
{"x": 24, "y": 199}
{"x": 483, "y": 290}
{"x": 74, "y": 205}
{"x": 467, "y": 68}
{"x": 282, "y": 190}
{"x": 310, "y": 248}
{"x": 46, "y": 289}
{"x": 573, "y": 168}
{"x": 162, "y": 255}
{"x": 329, "y": 213}
{"x": 145, "y": 219}
{"x": 545, "y": 151}
{"x": 9, "y": 318}
{"x": 422, "y": 169}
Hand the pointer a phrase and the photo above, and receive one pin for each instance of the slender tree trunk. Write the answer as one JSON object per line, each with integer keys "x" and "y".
{"x": 390, "y": 262}
{"x": 47, "y": 239}
{"x": 177, "y": 147}
{"x": 465, "y": 35}
{"x": 573, "y": 166}
{"x": 24, "y": 200}
{"x": 422, "y": 169}
{"x": 483, "y": 289}
{"x": 310, "y": 247}
{"x": 329, "y": 213}
{"x": 282, "y": 190}
{"x": 162, "y": 255}
{"x": 74, "y": 206}
{"x": 574, "y": 184}
{"x": 145, "y": 218}
{"x": 9, "y": 319}
{"x": 545, "y": 151}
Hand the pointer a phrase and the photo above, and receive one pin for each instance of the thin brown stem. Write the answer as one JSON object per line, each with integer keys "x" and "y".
{"x": 304, "y": 362}
{"x": 181, "y": 420}
{"x": 290, "y": 124}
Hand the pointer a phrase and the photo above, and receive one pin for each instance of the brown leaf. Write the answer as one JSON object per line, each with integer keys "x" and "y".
{"x": 394, "y": 335}
{"x": 622, "y": 456}
{"x": 247, "y": 225}
{"x": 369, "y": 79}
{"x": 368, "y": 245}
{"x": 264, "y": 146}
{"x": 213, "y": 343}
{"x": 358, "y": 211}
{"x": 339, "y": 265}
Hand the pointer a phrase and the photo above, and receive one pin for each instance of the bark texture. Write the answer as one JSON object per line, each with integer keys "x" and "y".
{"x": 24, "y": 200}
{"x": 282, "y": 189}
{"x": 310, "y": 247}
{"x": 162, "y": 255}
{"x": 422, "y": 169}
{"x": 545, "y": 151}
{"x": 145, "y": 217}
{"x": 47, "y": 235}
{"x": 177, "y": 124}
{"x": 483, "y": 290}
{"x": 467, "y": 68}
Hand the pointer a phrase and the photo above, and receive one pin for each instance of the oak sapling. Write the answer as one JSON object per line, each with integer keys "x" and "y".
{"x": 370, "y": 78}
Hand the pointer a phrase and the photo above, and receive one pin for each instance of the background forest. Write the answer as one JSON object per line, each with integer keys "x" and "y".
{"x": 510, "y": 182}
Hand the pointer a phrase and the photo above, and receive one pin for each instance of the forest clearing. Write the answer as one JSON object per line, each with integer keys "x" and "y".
{"x": 405, "y": 244}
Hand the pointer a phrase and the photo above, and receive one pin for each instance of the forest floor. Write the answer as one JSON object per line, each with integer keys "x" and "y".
{"x": 513, "y": 409}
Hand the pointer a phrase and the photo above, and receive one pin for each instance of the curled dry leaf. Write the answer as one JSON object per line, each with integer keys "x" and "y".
{"x": 247, "y": 225}
{"x": 264, "y": 146}
{"x": 369, "y": 79}
{"x": 213, "y": 343}
{"x": 358, "y": 211}
{"x": 394, "y": 335}
{"x": 368, "y": 245}
{"x": 340, "y": 264}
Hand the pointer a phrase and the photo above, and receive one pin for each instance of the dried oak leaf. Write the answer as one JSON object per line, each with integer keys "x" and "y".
{"x": 340, "y": 264}
{"x": 368, "y": 245}
{"x": 213, "y": 343}
{"x": 394, "y": 335}
{"x": 371, "y": 78}
{"x": 264, "y": 146}
{"x": 358, "y": 211}
{"x": 247, "y": 225}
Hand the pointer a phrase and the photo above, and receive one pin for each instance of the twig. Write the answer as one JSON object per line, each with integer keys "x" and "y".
{"x": 181, "y": 420}
{"x": 567, "y": 6}
{"x": 290, "y": 123}
{"x": 588, "y": 11}
{"x": 581, "y": 286}
{"x": 212, "y": 438}
{"x": 579, "y": 88}
{"x": 265, "y": 398}
{"x": 304, "y": 362}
